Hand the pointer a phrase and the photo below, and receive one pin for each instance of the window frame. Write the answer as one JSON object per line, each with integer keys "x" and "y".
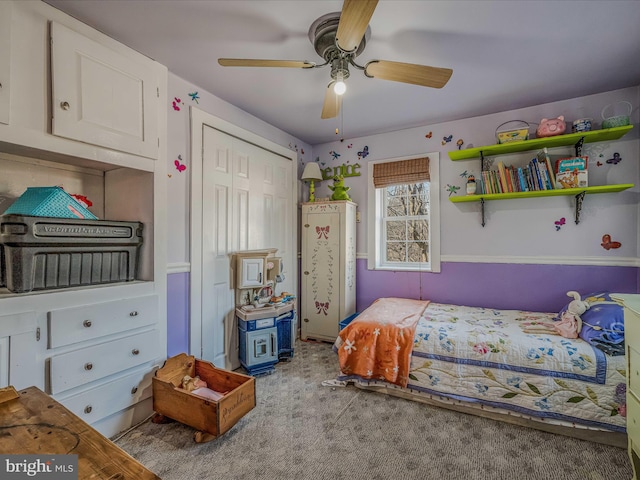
{"x": 375, "y": 222}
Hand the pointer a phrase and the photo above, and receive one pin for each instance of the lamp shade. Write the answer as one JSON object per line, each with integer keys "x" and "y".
{"x": 312, "y": 172}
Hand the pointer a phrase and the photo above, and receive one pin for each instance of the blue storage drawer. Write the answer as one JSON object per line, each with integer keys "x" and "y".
{"x": 347, "y": 321}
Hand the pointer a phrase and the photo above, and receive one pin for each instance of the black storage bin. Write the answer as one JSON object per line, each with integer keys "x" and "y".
{"x": 42, "y": 253}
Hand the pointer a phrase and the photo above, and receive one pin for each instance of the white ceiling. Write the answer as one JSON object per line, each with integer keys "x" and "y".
{"x": 504, "y": 55}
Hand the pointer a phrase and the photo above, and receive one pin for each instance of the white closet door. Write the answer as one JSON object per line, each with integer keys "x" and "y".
{"x": 217, "y": 221}
{"x": 247, "y": 205}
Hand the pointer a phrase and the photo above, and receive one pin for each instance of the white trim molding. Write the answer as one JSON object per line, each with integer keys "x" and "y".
{"x": 181, "y": 267}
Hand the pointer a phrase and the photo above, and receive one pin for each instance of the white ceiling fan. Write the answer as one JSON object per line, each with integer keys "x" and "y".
{"x": 339, "y": 38}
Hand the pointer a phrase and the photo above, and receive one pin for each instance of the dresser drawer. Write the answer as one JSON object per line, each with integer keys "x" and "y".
{"x": 77, "y": 324}
{"x": 633, "y": 370}
{"x": 85, "y": 365}
{"x": 111, "y": 397}
{"x": 633, "y": 419}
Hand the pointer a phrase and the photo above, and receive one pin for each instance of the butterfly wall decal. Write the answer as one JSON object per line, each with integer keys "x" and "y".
{"x": 616, "y": 159}
{"x": 364, "y": 152}
{"x": 560, "y": 223}
{"x": 446, "y": 140}
{"x": 464, "y": 174}
{"x": 599, "y": 163}
{"x": 176, "y": 104}
{"x": 429, "y": 135}
{"x": 335, "y": 155}
{"x": 608, "y": 244}
{"x": 181, "y": 167}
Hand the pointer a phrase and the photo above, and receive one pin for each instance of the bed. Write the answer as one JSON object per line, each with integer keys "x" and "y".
{"x": 487, "y": 361}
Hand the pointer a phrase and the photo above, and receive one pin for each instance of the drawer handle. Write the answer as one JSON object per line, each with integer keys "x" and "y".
{"x": 133, "y": 314}
{"x": 134, "y": 390}
{"x": 135, "y": 351}
{"x": 65, "y": 105}
{"x": 88, "y": 409}
{"x": 87, "y": 323}
{"x": 88, "y": 366}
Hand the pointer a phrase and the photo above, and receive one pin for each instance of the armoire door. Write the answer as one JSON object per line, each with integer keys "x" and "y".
{"x": 321, "y": 267}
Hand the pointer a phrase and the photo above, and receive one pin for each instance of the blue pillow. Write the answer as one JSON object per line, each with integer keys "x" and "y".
{"x": 603, "y": 322}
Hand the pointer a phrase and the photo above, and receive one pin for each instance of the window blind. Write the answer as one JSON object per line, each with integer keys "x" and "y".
{"x": 415, "y": 170}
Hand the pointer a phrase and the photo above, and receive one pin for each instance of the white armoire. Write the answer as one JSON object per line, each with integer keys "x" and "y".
{"x": 328, "y": 292}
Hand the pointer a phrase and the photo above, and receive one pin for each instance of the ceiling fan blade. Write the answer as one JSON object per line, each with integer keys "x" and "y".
{"x": 422, "y": 75}
{"x": 254, "y": 62}
{"x": 332, "y": 103}
{"x": 354, "y": 21}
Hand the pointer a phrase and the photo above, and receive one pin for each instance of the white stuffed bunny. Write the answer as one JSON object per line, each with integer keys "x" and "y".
{"x": 570, "y": 322}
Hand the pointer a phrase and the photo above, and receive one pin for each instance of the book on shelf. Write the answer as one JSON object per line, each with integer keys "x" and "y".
{"x": 572, "y": 172}
{"x": 543, "y": 157}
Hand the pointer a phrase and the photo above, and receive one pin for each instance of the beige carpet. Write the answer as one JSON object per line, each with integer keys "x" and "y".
{"x": 302, "y": 430}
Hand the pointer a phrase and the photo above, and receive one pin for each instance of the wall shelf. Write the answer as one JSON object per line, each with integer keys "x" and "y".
{"x": 542, "y": 193}
{"x": 575, "y": 139}
{"x": 536, "y": 143}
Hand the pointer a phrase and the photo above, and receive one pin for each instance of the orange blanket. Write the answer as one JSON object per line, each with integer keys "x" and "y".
{"x": 378, "y": 343}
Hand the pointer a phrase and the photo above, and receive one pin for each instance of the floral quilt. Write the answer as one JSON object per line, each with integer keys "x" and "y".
{"x": 485, "y": 355}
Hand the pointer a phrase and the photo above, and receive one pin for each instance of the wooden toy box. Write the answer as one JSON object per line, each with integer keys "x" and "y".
{"x": 211, "y": 418}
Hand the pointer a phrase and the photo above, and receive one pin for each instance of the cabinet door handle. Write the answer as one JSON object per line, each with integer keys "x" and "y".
{"x": 306, "y": 320}
{"x": 133, "y": 314}
{"x": 86, "y": 323}
{"x": 88, "y": 366}
{"x": 135, "y": 351}
{"x": 306, "y": 273}
{"x": 88, "y": 409}
{"x": 65, "y": 105}
{"x": 274, "y": 350}
{"x": 134, "y": 390}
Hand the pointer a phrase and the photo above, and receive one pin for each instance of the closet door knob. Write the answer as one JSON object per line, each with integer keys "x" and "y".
{"x": 88, "y": 409}
{"x": 134, "y": 390}
{"x": 135, "y": 351}
{"x": 88, "y": 366}
{"x": 87, "y": 323}
{"x": 133, "y": 314}
{"x": 65, "y": 105}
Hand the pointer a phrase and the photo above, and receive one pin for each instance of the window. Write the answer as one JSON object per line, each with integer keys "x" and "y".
{"x": 403, "y": 208}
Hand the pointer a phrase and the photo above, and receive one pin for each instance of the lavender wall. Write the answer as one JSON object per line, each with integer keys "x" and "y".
{"x": 177, "y": 313}
{"x": 495, "y": 285}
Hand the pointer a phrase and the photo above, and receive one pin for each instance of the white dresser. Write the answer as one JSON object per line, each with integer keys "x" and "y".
{"x": 328, "y": 292}
{"x": 631, "y": 305}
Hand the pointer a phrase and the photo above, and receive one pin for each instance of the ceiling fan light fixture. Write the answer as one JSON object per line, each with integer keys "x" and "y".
{"x": 339, "y": 87}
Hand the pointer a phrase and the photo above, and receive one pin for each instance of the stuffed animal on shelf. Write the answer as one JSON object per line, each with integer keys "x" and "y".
{"x": 570, "y": 322}
{"x": 338, "y": 189}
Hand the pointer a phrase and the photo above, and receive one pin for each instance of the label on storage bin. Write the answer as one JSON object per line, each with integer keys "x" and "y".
{"x": 61, "y": 230}
{"x": 265, "y": 322}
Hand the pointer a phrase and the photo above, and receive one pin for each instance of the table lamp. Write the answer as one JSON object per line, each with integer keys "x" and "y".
{"x": 312, "y": 173}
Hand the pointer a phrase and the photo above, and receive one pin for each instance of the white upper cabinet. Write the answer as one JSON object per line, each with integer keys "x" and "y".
{"x": 5, "y": 61}
{"x": 102, "y": 97}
